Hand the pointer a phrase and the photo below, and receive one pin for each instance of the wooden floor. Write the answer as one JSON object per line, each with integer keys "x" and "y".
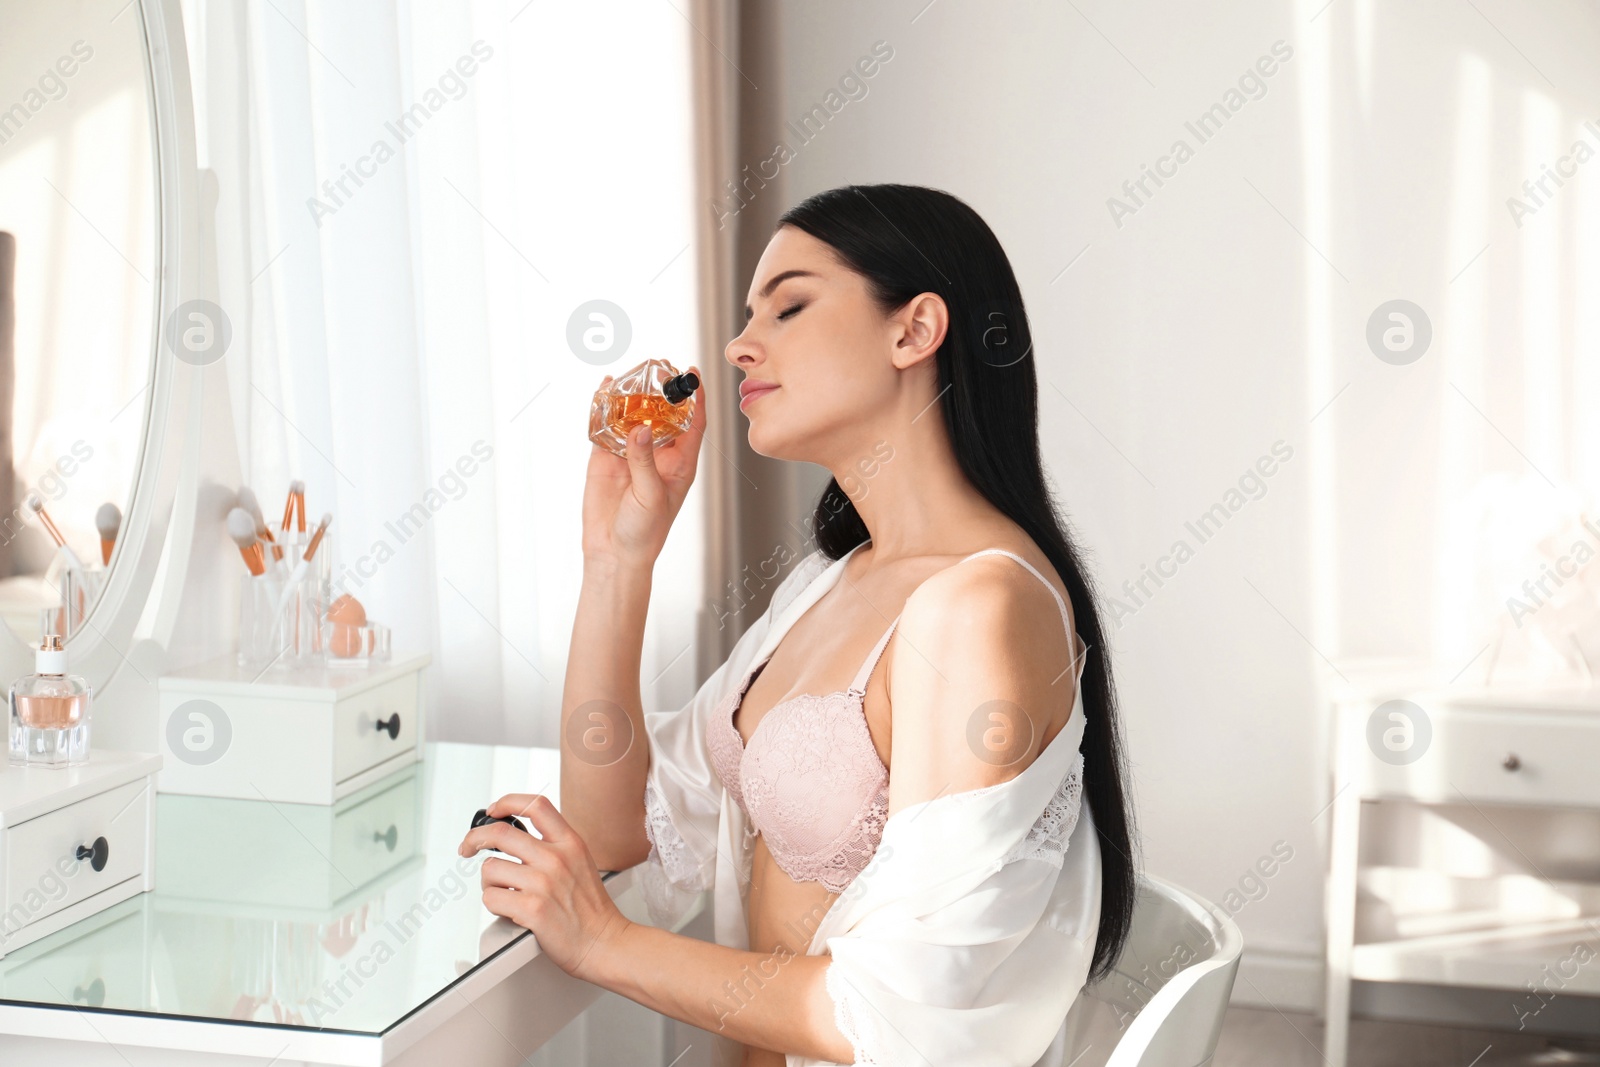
{"x": 1266, "y": 1038}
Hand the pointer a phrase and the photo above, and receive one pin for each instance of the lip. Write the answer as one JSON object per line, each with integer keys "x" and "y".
{"x": 750, "y": 389}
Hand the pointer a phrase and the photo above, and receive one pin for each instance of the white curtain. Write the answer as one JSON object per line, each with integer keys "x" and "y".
{"x": 413, "y": 200}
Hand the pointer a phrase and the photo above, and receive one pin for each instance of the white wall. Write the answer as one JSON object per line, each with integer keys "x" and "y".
{"x": 1227, "y": 313}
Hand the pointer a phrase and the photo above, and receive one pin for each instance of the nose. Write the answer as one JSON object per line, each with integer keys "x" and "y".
{"x": 741, "y": 351}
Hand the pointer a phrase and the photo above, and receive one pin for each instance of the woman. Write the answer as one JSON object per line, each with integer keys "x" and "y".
{"x": 904, "y": 868}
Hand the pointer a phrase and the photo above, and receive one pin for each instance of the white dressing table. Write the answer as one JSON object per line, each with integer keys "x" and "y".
{"x": 351, "y": 935}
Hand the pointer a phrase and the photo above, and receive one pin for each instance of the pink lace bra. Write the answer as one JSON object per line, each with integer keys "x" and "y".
{"x": 811, "y": 781}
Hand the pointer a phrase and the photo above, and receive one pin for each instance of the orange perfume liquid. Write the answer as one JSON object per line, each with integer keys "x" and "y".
{"x": 51, "y": 712}
{"x": 653, "y": 394}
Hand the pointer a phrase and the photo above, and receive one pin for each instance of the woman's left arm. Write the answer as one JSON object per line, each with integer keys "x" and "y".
{"x": 770, "y": 1000}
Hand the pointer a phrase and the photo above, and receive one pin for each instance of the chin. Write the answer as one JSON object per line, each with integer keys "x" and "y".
{"x": 767, "y": 440}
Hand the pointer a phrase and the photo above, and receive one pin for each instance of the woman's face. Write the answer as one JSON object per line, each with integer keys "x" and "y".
{"x": 816, "y": 353}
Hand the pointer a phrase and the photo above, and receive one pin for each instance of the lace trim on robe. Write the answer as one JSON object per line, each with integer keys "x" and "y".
{"x": 1047, "y": 838}
{"x": 853, "y": 1016}
{"x": 670, "y": 871}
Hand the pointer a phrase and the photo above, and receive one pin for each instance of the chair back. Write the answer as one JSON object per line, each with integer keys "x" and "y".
{"x": 1164, "y": 1002}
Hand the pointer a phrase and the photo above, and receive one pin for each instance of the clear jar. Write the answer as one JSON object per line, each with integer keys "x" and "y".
{"x": 261, "y": 639}
{"x": 355, "y": 646}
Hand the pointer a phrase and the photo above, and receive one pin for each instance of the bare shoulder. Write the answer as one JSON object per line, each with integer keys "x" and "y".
{"x": 980, "y": 678}
{"x": 988, "y": 592}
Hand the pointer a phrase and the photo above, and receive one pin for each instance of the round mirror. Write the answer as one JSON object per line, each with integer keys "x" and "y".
{"x": 79, "y": 282}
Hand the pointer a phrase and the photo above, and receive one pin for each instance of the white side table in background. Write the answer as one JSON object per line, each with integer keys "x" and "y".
{"x": 1481, "y": 902}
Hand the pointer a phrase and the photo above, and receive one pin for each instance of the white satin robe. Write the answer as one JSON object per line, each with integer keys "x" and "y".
{"x": 964, "y": 941}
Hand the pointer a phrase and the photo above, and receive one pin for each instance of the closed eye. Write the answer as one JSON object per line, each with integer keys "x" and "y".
{"x": 791, "y": 311}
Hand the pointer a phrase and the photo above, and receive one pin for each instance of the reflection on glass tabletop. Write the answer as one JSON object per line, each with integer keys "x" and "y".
{"x": 344, "y": 918}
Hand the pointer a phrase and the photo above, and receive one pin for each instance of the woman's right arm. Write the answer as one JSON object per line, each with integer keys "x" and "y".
{"x": 628, "y": 508}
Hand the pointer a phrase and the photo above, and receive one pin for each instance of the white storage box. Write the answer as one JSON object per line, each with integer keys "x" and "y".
{"x": 310, "y": 736}
{"x": 73, "y": 841}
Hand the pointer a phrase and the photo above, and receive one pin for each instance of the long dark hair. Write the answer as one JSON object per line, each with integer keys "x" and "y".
{"x": 906, "y": 240}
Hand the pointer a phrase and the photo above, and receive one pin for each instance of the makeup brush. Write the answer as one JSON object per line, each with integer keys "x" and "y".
{"x": 288, "y": 509}
{"x": 300, "y": 507}
{"x": 108, "y": 520}
{"x": 316, "y": 537}
{"x": 242, "y": 528}
{"x": 304, "y": 566}
{"x": 36, "y": 505}
{"x": 248, "y": 501}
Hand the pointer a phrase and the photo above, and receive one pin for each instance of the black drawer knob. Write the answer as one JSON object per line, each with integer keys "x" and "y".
{"x": 1511, "y": 762}
{"x": 390, "y": 726}
{"x": 96, "y": 854}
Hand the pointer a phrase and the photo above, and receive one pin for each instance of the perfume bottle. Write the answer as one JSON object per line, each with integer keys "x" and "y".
{"x": 653, "y": 393}
{"x": 50, "y": 712}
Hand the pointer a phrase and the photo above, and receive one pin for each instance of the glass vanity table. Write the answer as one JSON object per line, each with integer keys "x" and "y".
{"x": 294, "y": 933}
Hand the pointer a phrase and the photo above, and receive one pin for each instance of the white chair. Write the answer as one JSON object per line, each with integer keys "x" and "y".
{"x": 1164, "y": 1003}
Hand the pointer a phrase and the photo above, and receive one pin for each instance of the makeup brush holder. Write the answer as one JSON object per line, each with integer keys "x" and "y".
{"x": 261, "y": 633}
{"x": 280, "y": 611}
{"x": 280, "y": 621}
{"x": 304, "y": 603}
{"x": 294, "y": 545}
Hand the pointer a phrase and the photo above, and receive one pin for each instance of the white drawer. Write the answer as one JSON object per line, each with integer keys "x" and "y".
{"x": 1498, "y": 757}
{"x": 43, "y": 872}
{"x": 307, "y": 736}
{"x": 374, "y": 726}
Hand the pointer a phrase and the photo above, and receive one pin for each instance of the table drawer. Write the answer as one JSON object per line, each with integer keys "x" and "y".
{"x": 43, "y": 873}
{"x": 1497, "y": 757}
{"x": 374, "y": 726}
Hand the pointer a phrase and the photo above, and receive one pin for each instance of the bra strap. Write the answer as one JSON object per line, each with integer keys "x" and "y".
{"x": 1061, "y": 605}
{"x": 859, "y": 686}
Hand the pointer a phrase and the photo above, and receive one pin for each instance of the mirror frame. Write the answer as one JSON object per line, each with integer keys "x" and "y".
{"x": 157, "y": 540}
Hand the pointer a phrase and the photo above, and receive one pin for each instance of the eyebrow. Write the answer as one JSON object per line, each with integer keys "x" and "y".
{"x": 767, "y": 289}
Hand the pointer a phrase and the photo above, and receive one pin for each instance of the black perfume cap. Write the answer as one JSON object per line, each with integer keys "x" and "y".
{"x": 681, "y": 388}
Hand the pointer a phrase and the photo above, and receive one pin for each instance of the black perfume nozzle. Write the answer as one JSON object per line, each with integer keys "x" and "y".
{"x": 681, "y": 388}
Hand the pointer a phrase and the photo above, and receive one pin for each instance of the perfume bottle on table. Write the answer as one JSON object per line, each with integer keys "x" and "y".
{"x": 50, "y": 712}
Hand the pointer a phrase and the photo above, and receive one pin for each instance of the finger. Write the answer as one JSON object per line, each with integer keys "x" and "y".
{"x": 503, "y": 902}
{"x": 506, "y": 875}
{"x": 513, "y": 804}
{"x": 507, "y": 839}
{"x": 642, "y": 466}
{"x": 550, "y": 823}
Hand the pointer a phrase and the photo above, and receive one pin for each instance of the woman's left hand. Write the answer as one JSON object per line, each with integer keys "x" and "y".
{"x": 555, "y": 891}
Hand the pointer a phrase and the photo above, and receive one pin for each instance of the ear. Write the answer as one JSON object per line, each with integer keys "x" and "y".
{"x": 922, "y": 323}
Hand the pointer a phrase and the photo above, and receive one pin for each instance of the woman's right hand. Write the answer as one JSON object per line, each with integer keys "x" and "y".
{"x": 629, "y": 504}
